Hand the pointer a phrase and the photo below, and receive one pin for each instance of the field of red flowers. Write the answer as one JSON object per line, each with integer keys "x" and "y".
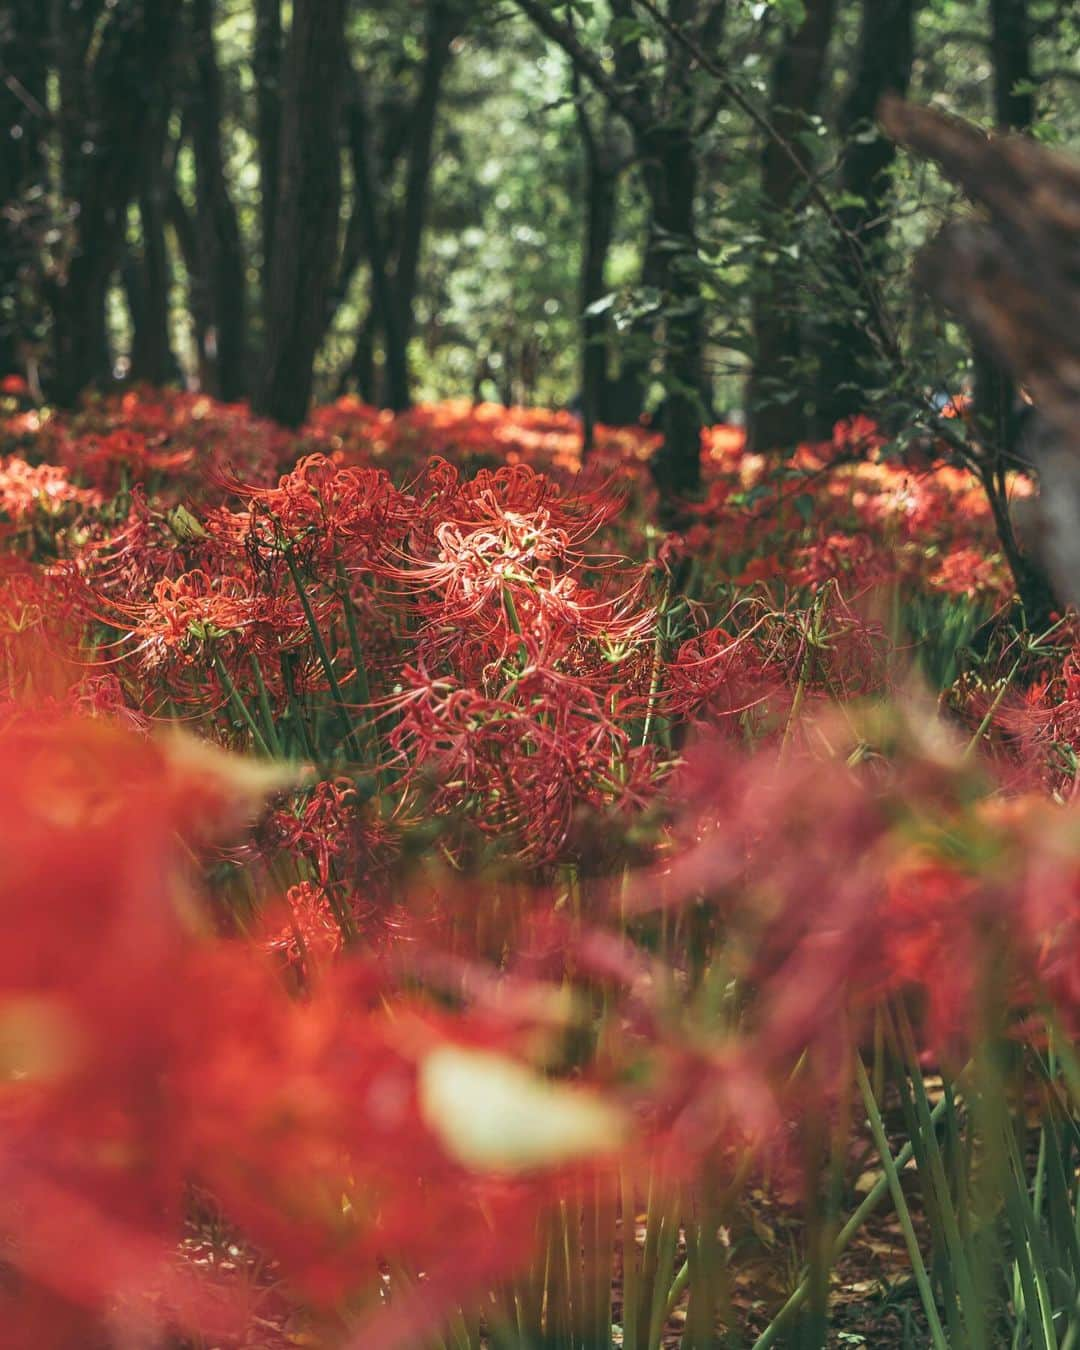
{"x": 445, "y": 909}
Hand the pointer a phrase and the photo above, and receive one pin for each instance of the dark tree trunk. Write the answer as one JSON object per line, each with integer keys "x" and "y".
{"x": 152, "y": 357}
{"x": 1010, "y": 41}
{"x": 601, "y": 195}
{"x": 1014, "y": 110}
{"x": 384, "y": 311}
{"x": 23, "y": 116}
{"x": 187, "y": 242}
{"x": 851, "y": 361}
{"x": 603, "y": 168}
{"x": 1013, "y": 277}
{"x": 394, "y": 270}
{"x": 659, "y": 103}
{"x": 776, "y": 396}
{"x": 305, "y": 232}
{"x": 624, "y": 393}
{"x": 267, "y": 69}
{"x": 104, "y": 137}
{"x": 670, "y": 167}
{"x": 444, "y": 22}
{"x": 220, "y": 246}
{"x": 359, "y": 374}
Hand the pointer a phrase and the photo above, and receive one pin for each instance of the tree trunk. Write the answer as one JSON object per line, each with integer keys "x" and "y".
{"x": 671, "y": 179}
{"x": 601, "y": 192}
{"x": 23, "y": 117}
{"x": 624, "y": 392}
{"x": 384, "y": 311}
{"x": 305, "y": 231}
{"x": 105, "y": 134}
{"x": 1013, "y": 277}
{"x": 220, "y": 246}
{"x": 851, "y": 366}
{"x": 1010, "y": 42}
{"x": 395, "y": 270}
{"x": 267, "y": 70}
{"x": 444, "y": 23}
{"x": 152, "y": 357}
{"x": 1014, "y": 109}
{"x": 187, "y": 243}
{"x": 776, "y": 397}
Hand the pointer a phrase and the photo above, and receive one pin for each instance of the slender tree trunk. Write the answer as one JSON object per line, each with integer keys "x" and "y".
{"x": 1010, "y": 42}
{"x": 670, "y": 165}
{"x": 267, "y": 69}
{"x": 384, "y": 311}
{"x": 395, "y": 270}
{"x": 104, "y": 138}
{"x": 23, "y": 116}
{"x": 601, "y": 199}
{"x": 305, "y": 231}
{"x": 851, "y": 363}
{"x": 152, "y": 357}
{"x": 1014, "y": 110}
{"x": 187, "y": 242}
{"x": 776, "y": 397}
{"x": 624, "y": 393}
{"x": 359, "y": 373}
{"x": 220, "y": 246}
{"x": 443, "y": 25}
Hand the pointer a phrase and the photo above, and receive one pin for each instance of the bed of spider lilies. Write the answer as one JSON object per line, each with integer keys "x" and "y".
{"x": 444, "y": 910}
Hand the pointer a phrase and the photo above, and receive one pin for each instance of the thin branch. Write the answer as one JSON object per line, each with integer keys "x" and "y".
{"x": 764, "y": 124}
{"x": 590, "y": 66}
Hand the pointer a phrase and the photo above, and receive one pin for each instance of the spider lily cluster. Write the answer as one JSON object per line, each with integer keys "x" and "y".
{"x": 448, "y": 890}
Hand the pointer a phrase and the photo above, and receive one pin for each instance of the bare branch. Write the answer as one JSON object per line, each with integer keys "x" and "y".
{"x": 591, "y": 67}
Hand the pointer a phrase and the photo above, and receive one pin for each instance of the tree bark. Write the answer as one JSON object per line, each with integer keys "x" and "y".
{"x": 670, "y": 165}
{"x": 267, "y": 70}
{"x": 152, "y": 356}
{"x": 305, "y": 231}
{"x": 220, "y": 246}
{"x": 395, "y": 269}
{"x": 104, "y": 131}
{"x": 23, "y": 116}
{"x": 660, "y": 107}
{"x": 603, "y": 165}
{"x": 777, "y": 396}
{"x": 1013, "y": 277}
{"x": 187, "y": 242}
{"x": 444, "y": 23}
{"x": 1010, "y": 45}
{"x": 851, "y": 364}
{"x": 384, "y": 311}
{"x": 1014, "y": 109}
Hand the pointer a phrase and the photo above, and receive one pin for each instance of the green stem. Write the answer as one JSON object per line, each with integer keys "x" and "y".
{"x": 843, "y": 1239}
{"x": 903, "y": 1214}
{"x": 984, "y": 725}
{"x": 272, "y": 737}
{"x": 324, "y": 657}
{"x": 238, "y": 703}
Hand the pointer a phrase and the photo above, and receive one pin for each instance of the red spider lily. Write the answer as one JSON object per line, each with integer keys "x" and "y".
{"x": 718, "y": 675}
{"x": 519, "y": 768}
{"x": 311, "y": 935}
{"x": 45, "y": 488}
{"x": 93, "y": 883}
{"x": 194, "y": 611}
{"x": 324, "y": 513}
{"x": 141, "y": 1053}
{"x": 42, "y": 618}
{"x": 333, "y": 829}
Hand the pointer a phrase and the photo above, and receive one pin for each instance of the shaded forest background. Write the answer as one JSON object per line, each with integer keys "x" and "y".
{"x": 676, "y": 207}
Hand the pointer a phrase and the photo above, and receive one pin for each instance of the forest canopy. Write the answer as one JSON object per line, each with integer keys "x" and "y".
{"x": 611, "y": 204}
